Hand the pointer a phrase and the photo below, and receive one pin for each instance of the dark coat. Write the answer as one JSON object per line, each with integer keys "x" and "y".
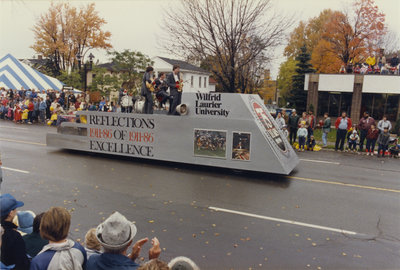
{"x": 34, "y": 243}
{"x": 172, "y": 83}
{"x": 146, "y": 78}
{"x": 293, "y": 121}
{"x": 13, "y": 249}
{"x": 383, "y": 138}
{"x": 107, "y": 261}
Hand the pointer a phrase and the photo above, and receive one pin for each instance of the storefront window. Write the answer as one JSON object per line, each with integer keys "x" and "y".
{"x": 380, "y": 104}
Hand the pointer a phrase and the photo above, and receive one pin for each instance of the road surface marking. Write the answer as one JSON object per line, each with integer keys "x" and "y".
{"x": 320, "y": 161}
{"x": 282, "y": 220}
{"x": 342, "y": 184}
{"x": 13, "y": 127}
{"x": 25, "y": 142}
{"x": 14, "y": 170}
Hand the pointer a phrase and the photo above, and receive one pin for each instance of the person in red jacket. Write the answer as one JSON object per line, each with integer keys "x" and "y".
{"x": 31, "y": 108}
{"x": 372, "y": 136}
{"x": 342, "y": 124}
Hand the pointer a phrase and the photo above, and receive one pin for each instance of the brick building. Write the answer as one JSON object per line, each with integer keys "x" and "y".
{"x": 355, "y": 94}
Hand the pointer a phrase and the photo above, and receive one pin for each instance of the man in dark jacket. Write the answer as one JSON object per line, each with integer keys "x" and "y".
{"x": 293, "y": 124}
{"x": 13, "y": 247}
{"x": 364, "y": 125}
{"x": 149, "y": 103}
{"x": 176, "y": 95}
{"x": 34, "y": 242}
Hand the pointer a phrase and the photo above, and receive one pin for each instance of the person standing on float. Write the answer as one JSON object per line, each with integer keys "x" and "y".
{"x": 173, "y": 80}
{"x": 147, "y": 77}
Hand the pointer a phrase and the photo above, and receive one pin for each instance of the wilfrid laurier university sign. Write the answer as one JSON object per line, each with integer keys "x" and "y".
{"x": 221, "y": 130}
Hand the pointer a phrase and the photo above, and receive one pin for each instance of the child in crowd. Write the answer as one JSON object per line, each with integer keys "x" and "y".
{"x": 92, "y": 245}
{"x": 383, "y": 141}
{"x": 311, "y": 143}
{"x": 353, "y": 140}
{"x": 285, "y": 131}
{"x": 395, "y": 150}
{"x": 372, "y": 136}
{"x": 302, "y": 135}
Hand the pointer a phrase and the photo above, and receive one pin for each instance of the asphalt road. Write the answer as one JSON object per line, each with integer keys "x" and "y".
{"x": 335, "y": 211}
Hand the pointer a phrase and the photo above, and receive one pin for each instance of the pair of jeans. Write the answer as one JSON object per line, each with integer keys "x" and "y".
{"x": 302, "y": 142}
{"x": 325, "y": 138}
{"x": 352, "y": 145}
{"x": 340, "y": 138}
{"x": 293, "y": 135}
{"x": 363, "y": 136}
{"x": 370, "y": 145}
{"x": 148, "y": 105}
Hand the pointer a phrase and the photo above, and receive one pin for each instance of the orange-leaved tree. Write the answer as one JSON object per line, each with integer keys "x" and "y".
{"x": 352, "y": 38}
{"x": 64, "y": 31}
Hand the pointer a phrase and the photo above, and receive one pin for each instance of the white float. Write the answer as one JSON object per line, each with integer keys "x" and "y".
{"x": 219, "y": 129}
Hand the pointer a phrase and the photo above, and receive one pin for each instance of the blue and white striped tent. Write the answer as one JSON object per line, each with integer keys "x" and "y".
{"x": 14, "y": 74}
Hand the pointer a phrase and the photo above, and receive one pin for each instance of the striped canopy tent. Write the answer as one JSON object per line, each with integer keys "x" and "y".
{"x": 14, "y": 75}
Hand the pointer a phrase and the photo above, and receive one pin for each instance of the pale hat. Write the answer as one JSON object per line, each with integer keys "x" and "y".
{"x": 115, "y": 232}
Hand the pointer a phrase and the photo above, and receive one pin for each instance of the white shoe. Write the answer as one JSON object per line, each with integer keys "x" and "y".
{"x": 367, "y": 153}
{"x": 372, "y": 153}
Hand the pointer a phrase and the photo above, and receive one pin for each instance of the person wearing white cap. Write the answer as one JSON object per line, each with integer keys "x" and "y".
{"x": 115, "y": 235}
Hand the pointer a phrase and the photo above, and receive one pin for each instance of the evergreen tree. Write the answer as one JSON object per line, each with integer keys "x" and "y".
{"x": 298, "y": 96}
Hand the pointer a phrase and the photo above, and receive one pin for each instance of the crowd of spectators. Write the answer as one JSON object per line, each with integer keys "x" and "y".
{"x": 367, "y": 132}
{"x": 41, "y": 242}
{"x": 374, "y": 65}
{"x": 46, "y": 107}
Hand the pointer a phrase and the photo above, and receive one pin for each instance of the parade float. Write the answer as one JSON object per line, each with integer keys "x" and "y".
{"x": 225, "y": 130}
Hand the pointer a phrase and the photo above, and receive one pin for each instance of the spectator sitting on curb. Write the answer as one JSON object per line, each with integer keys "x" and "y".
{"x": 116, "y": 234}
{"x": 60, "y": 253}
{"x": 311, "y": 143}
{"x": 13, "y": 251}
{"x": 182, "y": 263}
{"x": 33, "y": 241}
{"x": 353, "y": 140}
{"x": 3, "y": 266}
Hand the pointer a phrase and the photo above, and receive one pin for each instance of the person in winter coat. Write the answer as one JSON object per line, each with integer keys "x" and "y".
{"x": 13, "y": 250}
{"x": 61, "y": 252}
{"x": 383, "y": 141}
{"x": 372, "y": 136}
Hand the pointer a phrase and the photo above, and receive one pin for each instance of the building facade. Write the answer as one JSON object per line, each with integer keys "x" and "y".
{"x": 354, "y": 94}
{"x": 195, "y": 79}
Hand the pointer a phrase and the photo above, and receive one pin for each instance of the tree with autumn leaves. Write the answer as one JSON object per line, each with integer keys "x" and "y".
{"x": 65, "y": 31}
{"x": 336, "y": 38}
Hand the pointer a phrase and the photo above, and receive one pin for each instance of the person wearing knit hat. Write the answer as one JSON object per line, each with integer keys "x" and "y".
{"x": 13, "y": 250}
{"x": 116, "y": 235}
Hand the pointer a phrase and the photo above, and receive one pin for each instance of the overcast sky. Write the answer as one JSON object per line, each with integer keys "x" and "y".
{"x": 137, "y": 24}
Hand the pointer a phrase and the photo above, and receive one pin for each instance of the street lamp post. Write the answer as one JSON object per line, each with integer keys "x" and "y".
{"x": 86, "y": 68}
